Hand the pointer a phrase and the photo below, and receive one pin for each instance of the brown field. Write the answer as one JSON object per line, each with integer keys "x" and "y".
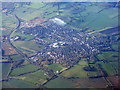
{"x": 89, "y": 83}
{"x": 8, "y": 49}
{"x": 114, "y": 80}
{"x": 34, "y": 22}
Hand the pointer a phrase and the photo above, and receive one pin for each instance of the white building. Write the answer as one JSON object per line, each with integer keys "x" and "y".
{"x": 58, "y": 21}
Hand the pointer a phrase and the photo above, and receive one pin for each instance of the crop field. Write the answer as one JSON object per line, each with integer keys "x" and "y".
{"x": 24, "y": 69}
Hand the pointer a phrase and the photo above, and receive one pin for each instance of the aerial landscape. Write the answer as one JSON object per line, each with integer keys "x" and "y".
{"x": 60, "y": 44}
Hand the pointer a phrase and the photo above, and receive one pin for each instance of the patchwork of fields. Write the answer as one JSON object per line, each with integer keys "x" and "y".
{"x": 21, "y": 68}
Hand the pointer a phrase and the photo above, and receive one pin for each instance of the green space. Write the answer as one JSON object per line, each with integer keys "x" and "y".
{"x": 28, "y": 13}
{"x": 17, "y": 84}
{"x": 8, "y": 21}
{"x": 94, "y": 20}
{"x": 56, "y": 67}
{"x": 38, "y": 77}
{"x": 24, "y": 69}
{"x": 34, "y": 10}
{"x": 78, "y": 71}
{"x": 115, "y": 46}
{"x": 59, "y": 83}
{"x": 24, "y": 36}
{"x": 16, "y": 57}
{"x": 27, "y": 47}
{"x": 111, "y": 67}
{"x": 91, "y": 18}
{"x": 36, "y": 5}
{"x": 109, "y": 56}
{"x": 5, "y": 69}
{"x": 89, "y": 83}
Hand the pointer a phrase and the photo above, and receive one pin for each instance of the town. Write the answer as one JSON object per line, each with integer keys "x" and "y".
{"x": 61, "y": 45}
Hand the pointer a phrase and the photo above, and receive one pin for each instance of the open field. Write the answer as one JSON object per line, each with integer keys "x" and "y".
{"x": 95, "y": 19}
{"x": 8, "y": 50}
{"x": 27, "y": 47}
{"x": 17, "y": 84}
{"x": 116, "y": 46}
{"x": 5, "y": 69}
{"x": 111, "y": 56}
{"x": 88, "y": 83}
{"x": 111, "y": 67}
{"x": 26, "y": 12}
{"x": 37, "y": 77}
{"x": 36, "y": 5}
{"x": 24, "y": 69}
{"x": 16, "y": 57}
{"x": 34, "y": 10}
{"x": 8, "y": 21}
{"x": 56, "y": 67}
{"x": 59, "y": 83}
{"x": 86, "y": 45}
{"x": 25, "y": 37}
{"x": 78, "y": 71}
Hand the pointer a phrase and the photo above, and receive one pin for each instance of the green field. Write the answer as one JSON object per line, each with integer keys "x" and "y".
{"x": 24, "y": 69}
{"x": 55, "y": 67}
{"x": 17, "y": 84}
{"x": 109, "y": 56}
{"x": 111, "y": 67}
{"x": 89, "y": 83}
{"x": 26, "y": 12}
{"x": 94, "y": 20}
{"x": 36, "y": 5}
{"x": 27, "y": 47}
{"x": 26, "y": 37}
{"x": 37, "y": 77}
{"x": 59, "y": 83}
{"x": 5, "y": 69}
{"x": 34, "y": 10}
{"x": 116, "y": 46}
{"x": 8, "y": 21}
{"x": 16, "y": 57}
{"x": 78, "y": 71}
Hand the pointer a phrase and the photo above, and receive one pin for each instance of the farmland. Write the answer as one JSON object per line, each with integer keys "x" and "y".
{"x": 24, "y": 69}
{"x": 27, "y": 47}
{"x": 59, "y": 83}
{"x": 60, "y": 45}
{"x": 20, "y": 83}
{"x": 78, "y": 71}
